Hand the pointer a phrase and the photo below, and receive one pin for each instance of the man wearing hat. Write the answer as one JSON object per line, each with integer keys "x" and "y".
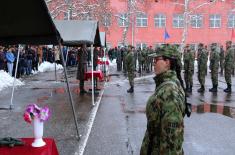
{"x": 165, "y": 108}
{"x": 130, "y": 66}
{"x": 202, "y": 67}
{"x": 214, "y": 66}
{"x": 228, "y": 66}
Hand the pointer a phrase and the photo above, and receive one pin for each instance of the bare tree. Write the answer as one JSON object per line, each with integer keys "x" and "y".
{"x": 133, "y": 8}
{"x": 188, "y": 15}
{"x": 81, "y": 9}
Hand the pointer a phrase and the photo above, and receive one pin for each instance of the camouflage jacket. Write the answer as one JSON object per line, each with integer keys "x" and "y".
{"x": 214, "y": 60}
{"x": 130, "y": 65}
{"x": 164, "y": 111}
{"x": 189, "y": 62}
{"x": 202, "y": 60}
{"x": 229, "y": 59}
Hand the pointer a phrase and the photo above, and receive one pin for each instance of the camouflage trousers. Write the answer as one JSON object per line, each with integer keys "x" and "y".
{"x": 201, "y": 77}
{"x": 214, "y": 77}
{"x": 131, "y": 76}
{"x": 227, "y": 75}
{"x": 221, "y": 66}
{"x": 188, "y": 78}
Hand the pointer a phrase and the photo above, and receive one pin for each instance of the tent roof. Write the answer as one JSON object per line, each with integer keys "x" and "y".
{"x": 103, "y": 38}
{"x": 26, "y": 22}
{"x": 77, "y": 32}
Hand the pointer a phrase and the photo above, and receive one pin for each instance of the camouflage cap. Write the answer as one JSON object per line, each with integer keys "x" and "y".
{"x": 228, "y": 42}
{"x": 169, "y": 52}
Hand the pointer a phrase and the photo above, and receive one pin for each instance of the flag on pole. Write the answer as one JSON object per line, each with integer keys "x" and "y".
{"x": 166, "y": 35}
{"x": 233, "y": 35}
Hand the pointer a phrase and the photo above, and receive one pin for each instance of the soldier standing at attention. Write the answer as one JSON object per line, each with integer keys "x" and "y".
{"x": 82, "y": 67}
{"x": 228, "y": 66}
{"x": 221, "y": 62}
{"x": 188, "y": 68}
{"x": 202, "y": 65}
{"x": 165, "y": 109}
{"x": 214, "y": 66}
{"x": 130, "y": 66}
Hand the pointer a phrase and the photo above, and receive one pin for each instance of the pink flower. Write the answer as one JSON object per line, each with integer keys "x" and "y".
{"x": 44, "y": 114}
{"x": 32, "y": 111}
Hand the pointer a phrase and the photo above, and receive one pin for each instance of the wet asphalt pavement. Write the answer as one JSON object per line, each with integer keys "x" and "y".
{"x": 120, "y": 122}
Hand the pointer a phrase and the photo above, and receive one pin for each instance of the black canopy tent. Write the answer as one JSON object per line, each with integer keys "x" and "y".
{"x": 29, "y": 22}
{"x": 78, "y": 32}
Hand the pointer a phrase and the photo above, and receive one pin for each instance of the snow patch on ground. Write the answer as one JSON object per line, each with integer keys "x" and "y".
{"x": 7, "y": 81}
{"x": 47, "y": 66}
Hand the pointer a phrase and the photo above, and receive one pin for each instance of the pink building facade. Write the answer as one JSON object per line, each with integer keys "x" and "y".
{"x": 211, "y": 22}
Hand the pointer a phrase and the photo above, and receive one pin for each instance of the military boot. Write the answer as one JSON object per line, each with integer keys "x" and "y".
{"x": 228, "y": 89}
{"x": 213, "y": 89}
{"x": 131, "y": 90}
{"x": 201, "y": 90}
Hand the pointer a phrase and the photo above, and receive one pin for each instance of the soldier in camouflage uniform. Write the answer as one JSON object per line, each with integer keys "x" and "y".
{"x": 130, "y": 66}
{"x": 202, "y": 65}
{"x": 82, "y": 67}
{"x": 228, "y": 66}
{"x": 214, "y": 66}
{"x": 221, "y": 62}
{"x": 165, "y": 109}
{"x": 124, "y": 53}
{"x": 188, "y": 68}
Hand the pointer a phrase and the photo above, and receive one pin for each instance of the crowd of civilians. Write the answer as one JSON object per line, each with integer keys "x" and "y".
{"x": 30, "y": 57}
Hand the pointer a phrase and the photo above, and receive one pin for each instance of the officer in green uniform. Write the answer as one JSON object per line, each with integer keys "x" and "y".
{"x": 202, "y": 66}
{"x": 165, "y": 109}
{"x": 221, "y": 60}
{"x": 214, "y": 66}
{"x": 130, "y": 66}
{"x": 228, "y": 66}
{"x": 188, "y": 68}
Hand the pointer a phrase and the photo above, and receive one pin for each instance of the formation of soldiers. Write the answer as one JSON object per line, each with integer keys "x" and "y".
{"x": 219, "y": 60}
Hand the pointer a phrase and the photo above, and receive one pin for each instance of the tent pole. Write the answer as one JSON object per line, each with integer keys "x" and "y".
{"x": 67, "y": 52}
{"x": 55, "y": 66}
{"x": 70, "y": 95}
{"x": 13, "y": 89}
{"x": 55, "y": 73}
{"x": 92, "y": 74}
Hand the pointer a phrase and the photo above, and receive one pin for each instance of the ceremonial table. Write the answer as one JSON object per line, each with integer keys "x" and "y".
{"x": 49, "y": 149}
{"x": 96, "y": 74}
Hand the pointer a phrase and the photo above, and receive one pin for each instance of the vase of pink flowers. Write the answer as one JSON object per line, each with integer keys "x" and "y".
{"x": 38, "y": 116}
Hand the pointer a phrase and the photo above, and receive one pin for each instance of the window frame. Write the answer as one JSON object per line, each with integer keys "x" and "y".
{"x": 178, "y": 18}
{"x": 141, "y": 19}
{"x": 214, "y": 19}
{"x": 160, "y": 20}
{"x": 124, "y": 23}
{"x": 198, "y": 18}
{"x": 233, "y": 20}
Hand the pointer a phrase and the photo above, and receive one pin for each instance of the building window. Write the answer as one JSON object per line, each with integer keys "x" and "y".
{"x": 231, "y": 21}
{"x": 160, "y": 20}
{"x": 178, "y": 21}
{"x": 196, "y": 21}
{"x": 215, "y": 21}
{"x": 141, "y": 20}
{"x": 141, "y": 45}
{"x": 123, "y": 20}
{"x": 107, "y": 20}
